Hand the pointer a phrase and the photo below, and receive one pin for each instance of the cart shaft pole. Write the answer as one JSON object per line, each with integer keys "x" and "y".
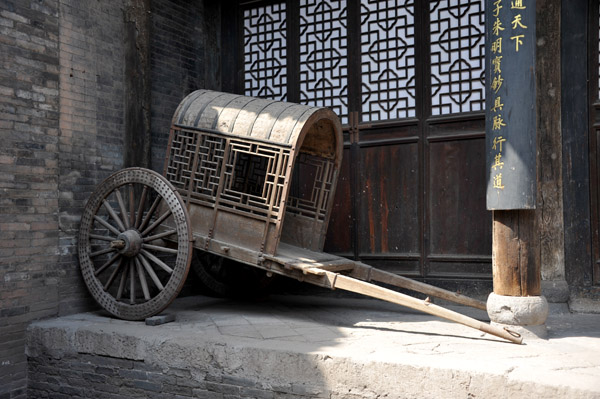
{"x": 403, "y": 282}
{"x": 361, "y": 287}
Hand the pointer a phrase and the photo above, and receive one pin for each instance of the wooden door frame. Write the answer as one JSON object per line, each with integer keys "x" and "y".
{"x": 594, "y": 127}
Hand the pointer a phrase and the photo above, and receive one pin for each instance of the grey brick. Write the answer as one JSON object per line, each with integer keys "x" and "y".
{"x": 256, "y": 393}
{"x": 239, "y": 381}
{"x": 147, "y": 385}
{"x": 177, "y": 389}
{"x": 222, "y": 388}
{"x": 206, "y": 394}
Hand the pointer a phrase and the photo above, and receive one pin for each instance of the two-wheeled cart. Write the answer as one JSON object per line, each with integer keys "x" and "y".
{"x": 247, "y": 182}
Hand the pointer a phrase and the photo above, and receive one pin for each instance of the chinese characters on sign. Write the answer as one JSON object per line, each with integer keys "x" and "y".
{"x": 510, "y": 104}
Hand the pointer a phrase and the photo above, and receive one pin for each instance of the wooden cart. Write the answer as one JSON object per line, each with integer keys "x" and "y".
{"x": 246, "y": 182}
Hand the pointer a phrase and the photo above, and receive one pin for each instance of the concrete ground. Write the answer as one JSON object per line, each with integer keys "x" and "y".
{"x": 345, "y": 348}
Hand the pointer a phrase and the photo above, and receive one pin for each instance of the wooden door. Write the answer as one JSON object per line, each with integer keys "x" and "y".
{"x": 406, "y": 78}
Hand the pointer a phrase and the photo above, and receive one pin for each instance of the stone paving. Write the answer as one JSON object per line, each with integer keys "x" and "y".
{"x": 346, "y": 348}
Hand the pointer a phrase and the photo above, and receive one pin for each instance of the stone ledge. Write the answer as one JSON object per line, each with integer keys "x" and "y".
{"x": 308, "y": 348}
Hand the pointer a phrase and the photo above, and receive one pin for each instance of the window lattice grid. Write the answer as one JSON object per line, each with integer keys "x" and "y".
{"x": 181, "y": 158}
{"x": 210, "y": 158}
{"x": 254, "y": 179}
{"x": 457, "y": 56}
{"x": 311, "y": 187}
{"x": 265, "y": 52}
{"x": 387, "y": 59}
{"x": 323, "y": 55}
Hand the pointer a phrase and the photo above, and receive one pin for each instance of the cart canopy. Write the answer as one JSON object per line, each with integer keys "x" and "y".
{"x": 254, "y": 171}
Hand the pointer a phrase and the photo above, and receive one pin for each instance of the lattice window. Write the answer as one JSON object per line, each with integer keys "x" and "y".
{"x": 208, "y": 170}
{"x": 323, "y": 55}
{"x": 254, "y": 178}
{"x": 311, "y": 186}
{"x": 181, "y": 158}
{"x": 457, "y": 56}
{"x": 265, "y": 52}
{"x": 387, "y": 59}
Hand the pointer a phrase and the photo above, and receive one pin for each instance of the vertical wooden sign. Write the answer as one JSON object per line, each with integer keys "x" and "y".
{"x": 510, "y": 104}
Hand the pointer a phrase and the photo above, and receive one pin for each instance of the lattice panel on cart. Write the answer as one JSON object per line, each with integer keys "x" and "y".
{"x": 311, "y": 186}
{"x": 181, "y": 158}
{"x": 323, "y": 55}
{"x": 254, "y": 179}
{"x": 205, "y": 182}
{"x": 457, "y": 35}
{"x": 265, "y": 52}
{"x": 388, "y": 59}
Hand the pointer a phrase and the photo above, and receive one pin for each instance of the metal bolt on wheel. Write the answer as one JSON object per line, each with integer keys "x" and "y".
{"x": 134, "y": 244}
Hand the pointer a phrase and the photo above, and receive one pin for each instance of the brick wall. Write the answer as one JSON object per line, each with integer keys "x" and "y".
{"x": 62, "y": 130}
{"x": 29, "y": 140}
{"x": 184, "y": 41}
{"x": 91, "y": 124}
{"x": 60, "y": 375}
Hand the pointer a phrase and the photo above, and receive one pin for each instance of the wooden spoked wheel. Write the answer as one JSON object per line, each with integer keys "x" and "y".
{"x": 134, "y": 244}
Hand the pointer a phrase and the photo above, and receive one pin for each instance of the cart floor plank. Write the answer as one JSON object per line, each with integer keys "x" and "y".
{"x": 304, "y": 259}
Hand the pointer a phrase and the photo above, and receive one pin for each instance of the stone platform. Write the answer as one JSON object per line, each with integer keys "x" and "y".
{"x": 307, "y": 347}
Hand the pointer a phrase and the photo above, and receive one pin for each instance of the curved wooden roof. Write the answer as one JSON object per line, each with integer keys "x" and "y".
{"x": 249, "y": 117}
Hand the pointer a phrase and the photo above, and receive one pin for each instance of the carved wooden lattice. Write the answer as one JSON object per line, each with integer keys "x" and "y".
{"x": 323, "y": 55}
{"x": 208, "y": 170}
{"x": 387, "y": 59}
{"x": 254, "y": 178}
{"x": 181, "y": 158}
{"x": 457, "y": 56}
{"x": 311, "y": 188}
{"x": 265, "y": 52}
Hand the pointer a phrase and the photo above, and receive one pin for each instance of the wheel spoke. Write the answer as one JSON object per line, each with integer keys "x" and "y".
{"x": 122, "y": 282}
{"x": 131, "y": 206}
{"x": 107, "y": 264}
{"x": 156, "y": 260}
{"x": 101, "y": 252}
{"x": 140, "y": 211}
{"x": 142, "y": 277}
{"x": 106, "y": 224}
{"x": 151, "y": 272}
{"x": 150, "y": 212}
{"x": 113, "y": 274}
{"x": 157, "y": 222}
{"x": 158, "y": 236}
{"x": 131, "y": 283}
{"x": 122, "y": 207}
{"x": 160, "y": 249}
{"x": 113, "y": 215}
{"x": 102, "y": 238}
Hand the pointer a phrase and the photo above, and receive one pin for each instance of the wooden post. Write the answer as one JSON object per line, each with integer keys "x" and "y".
{"x": 515, "y": 254}
{"x": 512, "y": 127}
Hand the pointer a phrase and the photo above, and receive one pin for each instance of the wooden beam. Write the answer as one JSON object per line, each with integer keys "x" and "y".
{"x": 350, "y": 284}
{"x": 515, "y": 253}
{"x": 407, "y": 283}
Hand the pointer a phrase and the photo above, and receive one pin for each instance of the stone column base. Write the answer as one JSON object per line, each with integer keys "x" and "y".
{"x": 525, "y": 315}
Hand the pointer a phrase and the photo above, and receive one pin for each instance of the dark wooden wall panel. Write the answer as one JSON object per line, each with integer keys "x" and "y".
{"x": 459, "y": 223}
{"x": 389, "y": 200}
{"x": 339, "y": 234}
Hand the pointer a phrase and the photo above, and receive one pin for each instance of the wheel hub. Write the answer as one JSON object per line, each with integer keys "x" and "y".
{"x": 128, "y": 243}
